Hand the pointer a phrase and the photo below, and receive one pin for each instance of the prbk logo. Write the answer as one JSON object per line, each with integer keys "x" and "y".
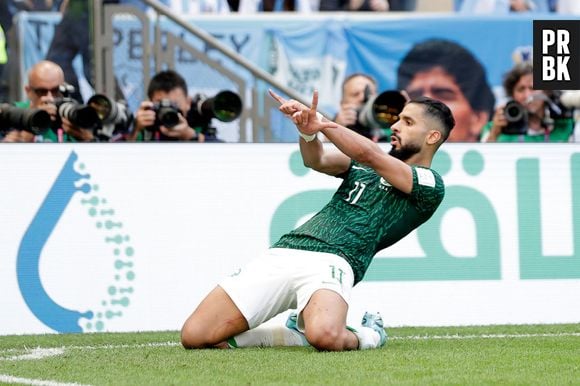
{"x": 557, "y": 54}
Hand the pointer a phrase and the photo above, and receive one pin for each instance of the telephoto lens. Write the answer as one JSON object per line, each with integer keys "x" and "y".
{"x": 79, "y": 115}
{"x": 36, "y": 121}
{"x": 225, "y": 106}
{"x": 382, "y": 111}
{"x": 108, "y": 110}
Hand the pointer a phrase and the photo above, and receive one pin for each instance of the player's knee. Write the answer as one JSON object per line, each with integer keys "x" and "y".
{"x": 193, "y": 337}
{"x": 325, "y": 338}
{"x": 189, "y": 339}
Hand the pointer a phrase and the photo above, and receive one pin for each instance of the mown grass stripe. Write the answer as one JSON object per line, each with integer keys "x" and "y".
{"x": 403, "y": 338}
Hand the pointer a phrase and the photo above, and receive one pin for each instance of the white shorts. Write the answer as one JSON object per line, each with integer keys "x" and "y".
{"x": 283, "y": 279}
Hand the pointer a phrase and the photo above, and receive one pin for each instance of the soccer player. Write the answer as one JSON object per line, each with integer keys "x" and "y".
{"x": 313, "y": 268}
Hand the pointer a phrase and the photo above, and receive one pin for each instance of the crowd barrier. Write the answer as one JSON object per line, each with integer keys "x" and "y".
{"x": 130, "y": 237}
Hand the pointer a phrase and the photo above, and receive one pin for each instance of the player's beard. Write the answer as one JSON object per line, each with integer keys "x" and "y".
{"x": 404, "y": 152}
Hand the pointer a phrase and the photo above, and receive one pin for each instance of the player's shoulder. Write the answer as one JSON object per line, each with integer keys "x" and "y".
{"x": 428, "y": 188}
{"x": 427, "y": 177}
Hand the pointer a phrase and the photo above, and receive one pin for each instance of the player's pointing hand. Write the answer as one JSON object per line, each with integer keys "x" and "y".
{"x": 305, "y": 118}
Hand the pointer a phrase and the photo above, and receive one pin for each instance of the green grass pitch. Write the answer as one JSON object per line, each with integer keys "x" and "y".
{"x": 493, "y": 355}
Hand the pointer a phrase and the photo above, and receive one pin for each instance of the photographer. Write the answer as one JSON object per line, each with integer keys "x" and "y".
{"x": 44, "y": 90}
{"x": 356, "y": 89}
{"x": 530, "y": 115}
{"x": 367, "y": 112}
{"x": 44, "y": 79}
{"x": 167, "y": 93}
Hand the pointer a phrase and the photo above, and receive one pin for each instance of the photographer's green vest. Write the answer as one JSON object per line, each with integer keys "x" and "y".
{"x": 561, "y": 132}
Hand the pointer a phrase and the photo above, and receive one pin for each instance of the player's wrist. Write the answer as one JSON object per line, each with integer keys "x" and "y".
{"x": 307, "y": 137}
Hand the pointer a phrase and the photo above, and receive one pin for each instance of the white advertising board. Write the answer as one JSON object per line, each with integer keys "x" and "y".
{"x": 130, "y": 237}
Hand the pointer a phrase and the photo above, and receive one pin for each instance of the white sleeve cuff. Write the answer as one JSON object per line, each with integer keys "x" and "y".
{"x": 307, "y": 137}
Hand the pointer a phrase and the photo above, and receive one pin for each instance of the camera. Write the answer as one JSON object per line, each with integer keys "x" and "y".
{"x": 110, "y": 111}
{"x": 559, "y": 103}
{"x": 225, "y": 106}
{"x": 166, "y": 114}
{"x": 115, "y": 117}
{"x": 36, "y": 121}
{"x": 519, "y": 117}
{"x": 516, "y": 115}
{"x": 78, "y": 114}
{"x": 379, "y": 112}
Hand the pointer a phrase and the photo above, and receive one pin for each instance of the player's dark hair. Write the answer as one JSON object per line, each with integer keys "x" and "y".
{"x": 457, "y": 61}
{"x": 438, "y": 111}
{"x": 166, "y": 81}
{"x": 513, "y": 76}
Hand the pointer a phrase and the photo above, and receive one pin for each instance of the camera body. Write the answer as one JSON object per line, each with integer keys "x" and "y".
{"x": 166, "y": 114}
{"x": 516, "y": 115}
{"x": 379, "y": 112}
{"x": 35, "y": 121}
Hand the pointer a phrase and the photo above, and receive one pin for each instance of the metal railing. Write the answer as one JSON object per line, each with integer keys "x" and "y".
{"x": 255, "y": 120}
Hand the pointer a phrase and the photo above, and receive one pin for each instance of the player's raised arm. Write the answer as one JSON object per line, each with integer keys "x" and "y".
{"x": 423, "y": 125}
{"x": 308, "y": 122}
{"x": 363, "y": 150}
{"x": 351, "y": 144}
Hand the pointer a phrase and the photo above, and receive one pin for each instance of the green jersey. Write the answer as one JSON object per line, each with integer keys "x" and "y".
{"x": 366, "y": 215}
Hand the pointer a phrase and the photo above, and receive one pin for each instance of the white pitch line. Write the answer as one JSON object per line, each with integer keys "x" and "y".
{"x": 485, "y": 336}
{"x": 410, "y": 337}
{"x": 36, "y": 353}
{"x": 104, "y": 346}
{"x": 36, "y": 382}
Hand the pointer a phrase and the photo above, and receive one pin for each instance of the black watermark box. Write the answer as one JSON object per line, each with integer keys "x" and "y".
{"x": 557, "y": 54}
